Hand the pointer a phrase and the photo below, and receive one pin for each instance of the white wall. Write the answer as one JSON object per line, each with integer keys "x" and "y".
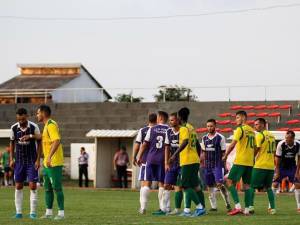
{"x": 82, "y": 81}
{"x": 75, "y": 153}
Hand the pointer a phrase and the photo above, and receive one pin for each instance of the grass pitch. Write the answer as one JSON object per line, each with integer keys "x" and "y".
{"x": 99, "y": 207}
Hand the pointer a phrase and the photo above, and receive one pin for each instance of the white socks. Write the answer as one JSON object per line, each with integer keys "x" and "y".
{"x": 33, "y": 201}
{"x": 238, "y": 206}
{"x": 161, "y": 198}
{"x": 167, "y": 200}
{"x": 18, "y": 201}
{"x": 144, "y": 194}
{"x": 297, "y": 197}
{"x": 212, "y": 197}
{"x": 61, "y": 213}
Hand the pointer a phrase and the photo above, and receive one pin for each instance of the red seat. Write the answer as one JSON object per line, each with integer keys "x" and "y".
{"x": 272, "y": 106}
{"x": 250, "y": 122}
{"x": 251, "y": 114}
{"x": 293, "y": 122}
{"x": 226, "y": 130}
{"x": 298, "y": 114}
{"x": 235, "y": 107}
{"x": 263, "y": 114}
{"x": 201, "y": 130}
{"x": 275, "y": 114}
{"x": 260, "y": 107}
{"x": 223, "y": 122}
{"x": 224, "y": 115}
{"x": 248, "y": 107}
{"x": 285, "y": 106}
{"x": 295, "y": 129}
{"x": 283, "y": 129}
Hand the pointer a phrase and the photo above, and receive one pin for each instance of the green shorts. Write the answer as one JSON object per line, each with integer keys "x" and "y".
{"x": 238, "y": 171}
{"x": 53, "y": 178}
{"x": 262, "y": 178}
{"x": 189, "y": 177}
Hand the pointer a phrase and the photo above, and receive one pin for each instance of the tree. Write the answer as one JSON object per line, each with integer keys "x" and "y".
{"x": 128, "y": 98}
{"x": 174, "y": 93}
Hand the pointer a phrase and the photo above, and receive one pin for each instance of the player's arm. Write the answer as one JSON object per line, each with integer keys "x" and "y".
{"x": 55, "y": 139}
{"x": 11, "y": 153}
{"x": 145, "y": 145}
{"x": 37, "y": 135}
{"x": 277, "y": 160}
{"x": 258, "y": 141}
{"x": 198, "y": 147}
{"x": 167, "y": 152}
{"x": 238, "y": 133}
{"x": 297, "y": 175}
{"x": 184, "y": 133}
{"x": 136, "y": 148}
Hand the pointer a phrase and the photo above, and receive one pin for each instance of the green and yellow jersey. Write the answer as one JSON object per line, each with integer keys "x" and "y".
{"x": 265, "y": 158}
{"x": 245, "y": 137}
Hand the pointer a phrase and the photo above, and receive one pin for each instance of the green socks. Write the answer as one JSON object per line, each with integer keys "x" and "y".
{"x": 234, "y": 194}
{"x": 252, "y": 192}
{"x": 271, "y": 198}
{"x": 178, "y": 199}
{"x": 60, "y": 199}
{"x": 49, "y": 198}
{"x": 190, "y": 195}
{"x": 201, "y": 197}
{"x": 248, "y": 198}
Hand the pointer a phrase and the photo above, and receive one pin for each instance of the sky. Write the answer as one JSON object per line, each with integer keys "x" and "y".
{"x": 252, "y": 48}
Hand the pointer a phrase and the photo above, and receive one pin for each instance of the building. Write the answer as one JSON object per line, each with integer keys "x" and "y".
{"x": 58, "y": 83}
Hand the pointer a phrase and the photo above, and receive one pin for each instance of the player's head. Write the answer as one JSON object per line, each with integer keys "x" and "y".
{"x": 240, "y": 117}
{"x": 183, "y": 115}
{"x": 82, "y": 150}
{"x": 152, "y": 118}
{"x": 260, "y": 124}
{"x": 211, "y": 126}
{"x": 290, "y": 137}
{"x": 43, "y": 113}
{"x": 22, "y": 116}
{"x": 173, "y": 120}
{"x": 162, "y": 117}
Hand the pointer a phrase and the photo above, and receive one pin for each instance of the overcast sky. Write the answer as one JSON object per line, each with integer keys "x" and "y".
{"x": 248, "y": 48}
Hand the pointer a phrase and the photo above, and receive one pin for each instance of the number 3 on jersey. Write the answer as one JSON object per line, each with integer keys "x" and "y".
{"x": 159, "y": 142}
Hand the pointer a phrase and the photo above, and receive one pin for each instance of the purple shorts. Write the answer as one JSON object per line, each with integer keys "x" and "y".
{"x": 172, "y": 175}
{"x": 290, "y": 173}
{"x": 154, "y": 172}
{"x": 25, "y": 172}
{"x": 142, "y": 175}
{"x": 213, "y": 176}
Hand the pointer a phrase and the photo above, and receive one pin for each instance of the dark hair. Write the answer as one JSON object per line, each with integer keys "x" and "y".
{"x": 123, "y": 147}
{"x": 82, "y": 148}
{"x": 261, "y": 120}
{"x": 174, "y": 114}
{"x": 241, "y": 113}
{"x": 212, "y": 121}
{"x": 164, "y": 115}
{"x": 291, "y": 133}
{"x": 184, "y": 113}
{"x": 46, "y": 109}
{"x": 152, "y": 118}
{"x": 21, "y": 111}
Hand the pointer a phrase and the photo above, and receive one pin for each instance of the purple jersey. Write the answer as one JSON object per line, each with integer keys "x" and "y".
{"x": 140, "y": 140}
{"x": 172, "y": 139}
{"x": 156, "y": 138}
{"x": 213, "y": 150}
{"x": 288, "y": 154}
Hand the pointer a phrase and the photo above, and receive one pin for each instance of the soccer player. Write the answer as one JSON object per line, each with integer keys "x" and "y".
{"x": 172, "y": 170}
{"x": 244, "y": 142}
{"x": 53, "y": 162}
{"x": 155, "y": 170}
{"x": 214, "y": 148}
{"x": 285, "y": 161}
{"x": 6, "y": 167}
{"x": 263, "y": 170}
{"x": 152, "y": 119}
{"x": 25, "y": 159}
{"x": 190, "y": 164}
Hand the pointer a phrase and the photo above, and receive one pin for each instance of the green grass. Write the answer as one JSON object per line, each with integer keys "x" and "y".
{"x": 89, "y": 206}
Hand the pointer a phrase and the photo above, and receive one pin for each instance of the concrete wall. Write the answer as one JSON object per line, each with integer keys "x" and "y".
{"x": 83, "y": 81}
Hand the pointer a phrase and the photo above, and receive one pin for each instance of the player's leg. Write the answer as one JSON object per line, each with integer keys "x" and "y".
{"x": 20, "y": 177}
{"x": 268, "y": 184}
{"x": 32, "y": 175}
{"x": 56, "y": 178}
{"x": 234, "y": 176}
{"x": 297, "y": 194}
{"x": 49, "y": 194}
{"x": 257, "y": 181}
{"x": 147, "y": 178}
{"x": 248, "y": 194}
{"x": 80, "y": 175}
{"x": 210, "y": 182}
{"x": 219, "y": 180}
{"x": 163, "y": 195}
{"x": 178, "y": 193}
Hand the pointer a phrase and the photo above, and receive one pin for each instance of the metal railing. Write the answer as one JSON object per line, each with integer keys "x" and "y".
{"x": 203, "y": 94}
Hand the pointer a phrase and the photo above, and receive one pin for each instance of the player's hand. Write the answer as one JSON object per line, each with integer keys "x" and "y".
{"x": 167, "y": 167}
{"x": 25, "y": 138}
{"x": 12, "y": 164}
{"x": 139, "y": 162}
{"x": 37, "y": 164}
{"x": 134, "y": 161}
{"x": 276, "y": 175}
{"x": 48, "y": 163}
{"x": 171, "y": 160}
